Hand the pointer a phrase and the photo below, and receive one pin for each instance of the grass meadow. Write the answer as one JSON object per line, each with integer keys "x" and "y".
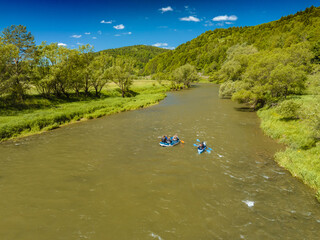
{"x": 38, "y": 114}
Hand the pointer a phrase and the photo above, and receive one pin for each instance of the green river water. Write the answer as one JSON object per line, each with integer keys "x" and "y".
{"x": 109, "y": 178}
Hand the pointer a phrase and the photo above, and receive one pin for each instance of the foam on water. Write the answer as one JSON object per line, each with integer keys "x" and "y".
{"x": 249, "y": 203}
{"x": 155, "y": 236}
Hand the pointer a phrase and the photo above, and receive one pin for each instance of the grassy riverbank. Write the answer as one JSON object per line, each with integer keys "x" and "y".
{"x": 300, "y": 133}
{"x": 38, "y": 114}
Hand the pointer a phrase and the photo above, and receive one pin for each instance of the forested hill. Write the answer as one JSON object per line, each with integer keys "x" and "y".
{"x": 208, "y": 51}
{"x": 141, "y": 53}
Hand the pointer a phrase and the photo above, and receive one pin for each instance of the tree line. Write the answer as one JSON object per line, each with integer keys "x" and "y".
{"x": 54, "y": 70}
{"x": 209, "y": 51}
{"x": 57, "y": 71}
{"x": 256, "y": 65}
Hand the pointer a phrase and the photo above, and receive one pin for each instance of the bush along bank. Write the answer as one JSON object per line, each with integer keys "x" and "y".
{"x": 296, "y": 123}
{"x": 18, "y": 123}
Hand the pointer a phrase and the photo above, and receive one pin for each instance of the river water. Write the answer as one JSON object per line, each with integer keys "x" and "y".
{"x": 109, "y": 178}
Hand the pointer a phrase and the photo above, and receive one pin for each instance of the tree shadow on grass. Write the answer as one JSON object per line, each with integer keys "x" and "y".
{"x": 31, "y": 103}
{"x": 290, "y": 119}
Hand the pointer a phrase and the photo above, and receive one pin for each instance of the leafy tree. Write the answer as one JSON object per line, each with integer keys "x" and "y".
{"x": 62, "y": 76}
{"x": 52, "y": 72}
{"x": 227, "y": 89}
{"x": 45, "y": 60}
{"x": 286, "y": 80}
{"x": 85, "y": 58}
{"x": 121, "y": 74}
{"x": 98, "y": 71}
{"x": 185, "y": 75}
{"x": 316, "y": 51}
{"x": 7, "y": 54}
{"x": 18, "y": 78}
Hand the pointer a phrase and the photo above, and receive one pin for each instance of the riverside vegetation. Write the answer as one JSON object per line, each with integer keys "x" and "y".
{"x": 45, "y": 86}
{"x": 273, "y": 68}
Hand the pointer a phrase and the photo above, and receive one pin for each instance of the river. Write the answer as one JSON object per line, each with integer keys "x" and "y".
{"x": 109, "y": 179}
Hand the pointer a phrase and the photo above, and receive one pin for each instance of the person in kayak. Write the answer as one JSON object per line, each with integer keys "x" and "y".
{"x": 175, "y": 137}
{"x": 201, "y": 146}
{"x": 164, "y": 139}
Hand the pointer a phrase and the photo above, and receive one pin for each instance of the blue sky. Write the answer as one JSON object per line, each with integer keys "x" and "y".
{"x": 111, "y": 24}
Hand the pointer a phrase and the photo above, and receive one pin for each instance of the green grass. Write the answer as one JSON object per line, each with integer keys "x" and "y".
{"x": 295, "y": 133}
{"x": 38, "y": 115}
{"x": 302, "y": 155}
{"x": 303, "y": 164}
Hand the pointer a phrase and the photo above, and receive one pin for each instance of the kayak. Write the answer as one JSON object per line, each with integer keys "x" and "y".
{"x": 203, "y": 149}
{"x": 173, "y": 143}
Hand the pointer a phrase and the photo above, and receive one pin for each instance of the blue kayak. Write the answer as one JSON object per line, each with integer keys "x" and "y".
{"x": 173, "y": 143}
{"x": 203, "y": 149}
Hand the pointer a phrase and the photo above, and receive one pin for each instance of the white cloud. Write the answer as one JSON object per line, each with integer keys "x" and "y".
{"x": 94, "y": 37}
{"x": 190, "y": 19}
{"x": 62, "y": 44}
{"x": 107, "y": 22}
{"x": 160, "y": 45}
{"x": 76, "y": 36}
{"x": 121, "y": 34}
{"x": 166, "y": 9}
{"x": 99, "y": 32}
{"x": 208, "y": 23}
{"x": 171, "y": 48}
{"x": 119, "y": 27}
{"x": 79, "y": 43}
{"x": 87, "y": 33}
{"x": 225, "y": 18}
{"x": 228, "y": 22}
{"x": 190, "y": 10}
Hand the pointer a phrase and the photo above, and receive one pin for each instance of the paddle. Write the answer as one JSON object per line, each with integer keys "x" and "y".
{"x": 207, "y": 149}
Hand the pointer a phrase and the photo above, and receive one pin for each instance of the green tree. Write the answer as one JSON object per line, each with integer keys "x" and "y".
{"x": 61, "y": 72}
{"x": 18, "y": 79}
{"x": 185, "y": 75}
{"x": 86, "y": 57}
{"x": 316, "y": 51}
{"x": 121, "y": 74}
{"x": 98, "y": 71}
{"x": 286, "y": 80}
{"x": 53, "y": 71}
{"x": 8, "y": 53}
{"x": 45, "y": 60}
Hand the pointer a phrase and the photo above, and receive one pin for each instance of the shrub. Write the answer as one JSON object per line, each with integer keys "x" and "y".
{"x": 288, "y": 109}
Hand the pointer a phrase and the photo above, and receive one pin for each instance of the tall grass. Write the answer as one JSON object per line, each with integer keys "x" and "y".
{"x": 301, "y": 135}
{"x": 16, "y": 123}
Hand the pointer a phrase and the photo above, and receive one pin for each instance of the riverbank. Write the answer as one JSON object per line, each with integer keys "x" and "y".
{"x": 40, "y": 115}
{"x": 301, "y": 135}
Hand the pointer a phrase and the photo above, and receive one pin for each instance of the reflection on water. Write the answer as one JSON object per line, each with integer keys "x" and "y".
{"x": 109, "y": 178}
